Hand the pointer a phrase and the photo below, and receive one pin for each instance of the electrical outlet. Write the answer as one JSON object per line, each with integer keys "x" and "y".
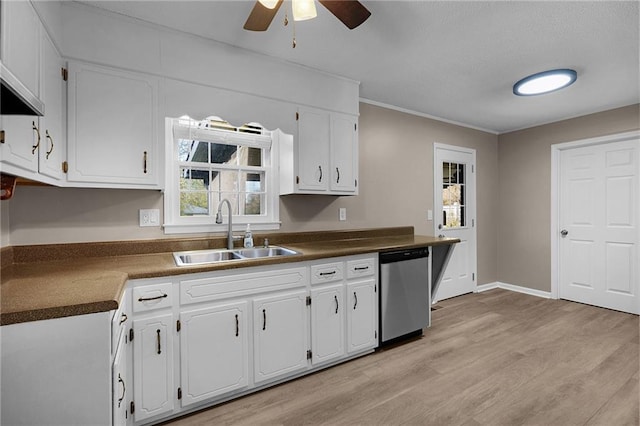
{"x": 149, "y": 217}
{"x": 343, "y": 213}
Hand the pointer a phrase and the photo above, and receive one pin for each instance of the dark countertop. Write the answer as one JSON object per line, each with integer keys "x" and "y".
{"x": 46, "y": 289}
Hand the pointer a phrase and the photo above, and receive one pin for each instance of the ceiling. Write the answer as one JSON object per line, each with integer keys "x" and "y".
{"x": 451, "y": 60}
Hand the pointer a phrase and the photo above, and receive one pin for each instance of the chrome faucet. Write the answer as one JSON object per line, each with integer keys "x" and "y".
{"x": 230, "y": 236}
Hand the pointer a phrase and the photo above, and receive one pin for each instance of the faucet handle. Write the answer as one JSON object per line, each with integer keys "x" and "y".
{"x": 266, "y": 242}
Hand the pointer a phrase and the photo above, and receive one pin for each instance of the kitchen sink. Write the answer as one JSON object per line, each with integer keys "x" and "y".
{"x": 200, "y": 257}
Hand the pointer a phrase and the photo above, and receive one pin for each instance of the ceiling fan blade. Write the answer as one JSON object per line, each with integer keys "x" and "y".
{"x": 351, "y": 12}
{"x": 260, "y": 17}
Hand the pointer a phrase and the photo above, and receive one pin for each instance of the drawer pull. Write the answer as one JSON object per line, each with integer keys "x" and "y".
{"x": 320, "y": 179}
{"x": 264, "y": 319}
{"x": 361, "y": 268}
{"x": 146, "y": 299}
{"x": 322, "y": 274}
{"x": 336, "y": 298}
{"x": 338, "y": 172}
{"x": 355, "y": 297}
{"x": 144, "y": 168}
{"x": 159, "y": 348}
{"x": 123, "y": 318}
{"x": 237, "y": 326}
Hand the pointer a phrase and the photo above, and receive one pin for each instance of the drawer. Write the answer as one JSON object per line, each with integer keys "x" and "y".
{"x": 361, "y": 267}
{"x": 327, "y": 272}
{"x": 120, "y": 321}
{"x": 151, "y": 297}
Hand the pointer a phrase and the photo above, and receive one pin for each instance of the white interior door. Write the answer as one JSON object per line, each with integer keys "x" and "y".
{"x": 598, "y": 221}
{"x": 455, "y": 216}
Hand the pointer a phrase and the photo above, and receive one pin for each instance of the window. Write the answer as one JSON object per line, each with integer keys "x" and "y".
{"x": 210, "y": 161}
{"x": 453, "y": 195}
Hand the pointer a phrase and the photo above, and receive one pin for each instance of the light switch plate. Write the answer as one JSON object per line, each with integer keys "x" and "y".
{"x": 149, "y": 217}
{"x": 343, "y": 213}
{"x": 429, "y": 214}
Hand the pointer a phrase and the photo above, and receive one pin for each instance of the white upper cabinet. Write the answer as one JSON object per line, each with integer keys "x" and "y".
{"x": 323, "y": 159}
{"x": 113, "y": 128}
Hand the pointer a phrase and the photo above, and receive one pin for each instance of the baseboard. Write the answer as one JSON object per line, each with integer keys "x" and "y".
{"x": 512, "y": 287}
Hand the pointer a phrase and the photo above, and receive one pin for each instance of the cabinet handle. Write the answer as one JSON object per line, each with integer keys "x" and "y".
{"x": 145, "y": 162}
{"x": 146, "y": 299}
{"x": 361, "y": 268}
{"x": 336, "y": 298}
{"x": 34, "y": 147}
{"x": 123, "y": 318}
{"x": 322, "y": 274}
{"x": 264, "y": 319}
{"x": 159, "y": 348}
{"x": 320, "y": 168}
{"x": 355, "y": 296}
{"x": 338, "y": 172}
{"x": 124, "y": 389}
{"x": 50, "y": 140}
{"x": 237, "y": 326}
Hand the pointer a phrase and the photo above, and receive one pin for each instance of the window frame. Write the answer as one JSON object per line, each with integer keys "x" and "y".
{"x": 175, "y": 130}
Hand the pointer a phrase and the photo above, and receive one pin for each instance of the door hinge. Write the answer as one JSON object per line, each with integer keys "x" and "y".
{"x": 355, "y": 127}
{"x": 308, "y": 300}
{"x": 375, "y": 334}
{"x": 356, "y": 183}
{"x": 65, "y": 74}
{"x": 131, "y": 336}
{"x": 473, "y": 168}
{"x": 297, "y": 116}
{"x": 1, "y": 136}
{"x": 309, "y": 354}
{"x": 132, "y": 407}
{"x": 473, "y": 276}
{"x": 179, "y": 393}
{"x": 473, "y": 223}
{"x": 178, "y": 325}
{"x": 65, "y": 166}
{"x": 375, "y": 288}
{"x": 297, "y": 180}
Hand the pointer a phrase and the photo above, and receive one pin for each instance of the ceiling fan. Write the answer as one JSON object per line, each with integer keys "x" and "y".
{"x": 351, "y": 12}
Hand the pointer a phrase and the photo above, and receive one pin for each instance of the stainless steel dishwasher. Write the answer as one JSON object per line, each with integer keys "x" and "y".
{"x": 405, "y": 298}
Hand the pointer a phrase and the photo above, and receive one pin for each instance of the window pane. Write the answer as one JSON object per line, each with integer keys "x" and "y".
{"x": 252, "y": 182}
{"x": 193, "y": 179}
{"x": 193, "y": 151}
{"x": 217, "y": 198}
{"x": 445, "y": 172}
{"x": 223, "y": 154}
{"x": 453, "y": 196}
{"x": 249, "y": 156}
{"x": 253, "y": 203}
{"x": 194, "y": 203}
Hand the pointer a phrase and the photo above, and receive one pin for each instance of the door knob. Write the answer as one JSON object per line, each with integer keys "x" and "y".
{"x": 564, "y": 233}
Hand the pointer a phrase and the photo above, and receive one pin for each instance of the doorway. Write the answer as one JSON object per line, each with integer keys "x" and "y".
{"x": 595, "y": 214}
{"x": 455, "y": 216}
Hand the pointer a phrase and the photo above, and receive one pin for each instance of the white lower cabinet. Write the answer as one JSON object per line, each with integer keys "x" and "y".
{"x": 214, "y": 351}
{"x": 327, "y": 323}
{"x": 120, "y": 396}
{"x": 154, "y": 391}
{"x": 362, "y": 318}
{"x": 280, "y": 324}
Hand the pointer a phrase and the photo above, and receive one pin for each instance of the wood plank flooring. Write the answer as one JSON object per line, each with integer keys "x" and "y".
{"x": 493, "y": 358}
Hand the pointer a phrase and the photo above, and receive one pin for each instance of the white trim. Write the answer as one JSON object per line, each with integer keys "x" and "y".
{"x": 421, "y": 114}
{"x": 555, "y": 195}
{"x": 515, "y": 288}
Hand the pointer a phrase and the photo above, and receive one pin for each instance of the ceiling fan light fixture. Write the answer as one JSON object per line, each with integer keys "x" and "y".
{"x": 303, "y": 9}
{"x": 269, "y": 4}
{"x": 545, "y": 82}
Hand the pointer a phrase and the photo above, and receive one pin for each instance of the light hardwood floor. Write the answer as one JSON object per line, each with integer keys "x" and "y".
{"x": 494, "y": 358}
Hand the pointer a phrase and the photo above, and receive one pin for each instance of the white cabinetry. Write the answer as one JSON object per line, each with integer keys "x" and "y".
{"x": 214, "y": 348}
{"x": 33, "y": 146}
{"x": 113, "y": 128}
{"x": 362, "y": 304}
{"x": 153, "y": 358}
{"x": 327, "y": 323}
{"x": 280, "y": 334}
{"x": 323, "y": 159}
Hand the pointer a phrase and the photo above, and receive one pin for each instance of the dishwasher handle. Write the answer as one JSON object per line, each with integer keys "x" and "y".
{"x": 400, "y": 255}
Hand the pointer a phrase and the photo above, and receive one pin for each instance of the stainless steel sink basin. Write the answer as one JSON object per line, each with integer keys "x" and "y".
{"x": 200, "y": 257}
{"x": 273, "y": 251}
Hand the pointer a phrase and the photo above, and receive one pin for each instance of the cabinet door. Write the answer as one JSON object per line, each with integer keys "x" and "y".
{"x": 113, "y": 137}
{"x": 52, "y": 144}
{"x": 327, "y": 323}
{"x": 214, "y": 347}
{"x": 120, "y": 391}
{"x": 22, "y": 140}
{"x": 280, "y": 324}
{"x": 154, "y": 392}
{"x": 21, "y": 29}
{"x": 344, "y": 153}
{"x": 313, "y": 150}
{"x": 362, "y": 319}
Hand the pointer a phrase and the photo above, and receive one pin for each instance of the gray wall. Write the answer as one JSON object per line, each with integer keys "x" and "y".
{"x": 524, "y": 216}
